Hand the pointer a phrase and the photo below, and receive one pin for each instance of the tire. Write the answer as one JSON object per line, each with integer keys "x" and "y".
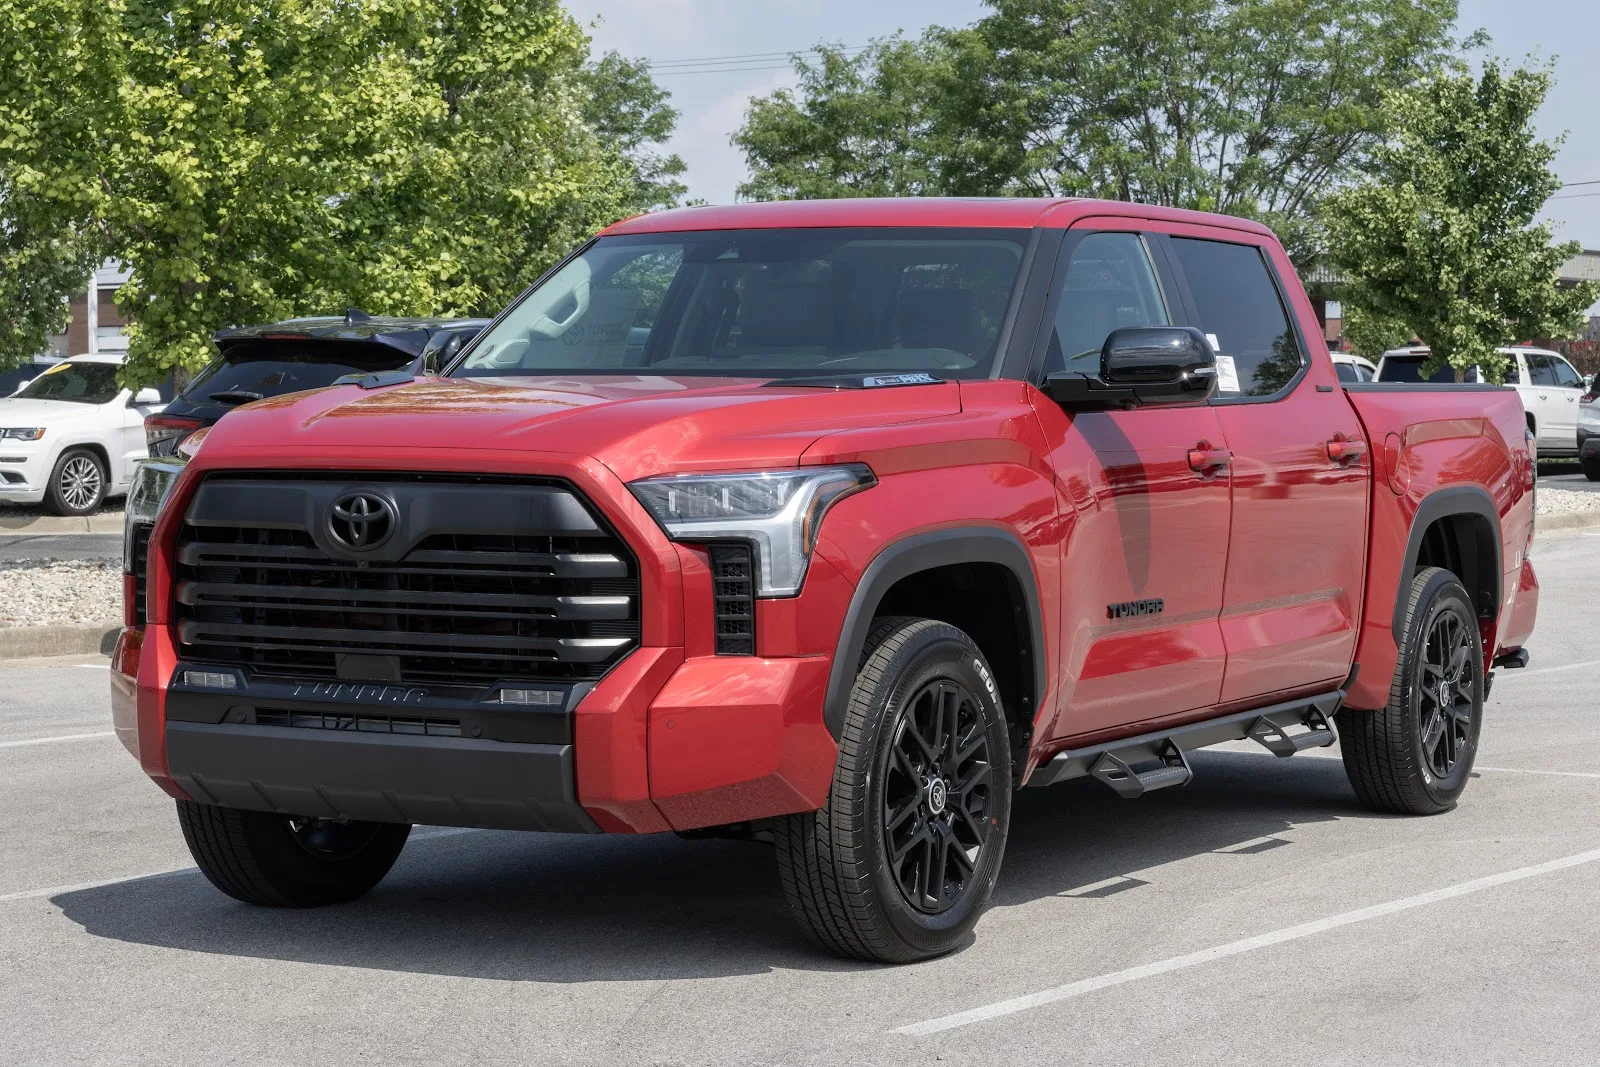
{"x": 1414, "y": 756}
{"x": 846, "y": 889}
{"x": 262, "y": 858}
{"x": 1591, "y": 468}
{"x": 77, "y": 483}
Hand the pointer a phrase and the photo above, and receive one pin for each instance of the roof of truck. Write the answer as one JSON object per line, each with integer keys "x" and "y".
{"x": 994, "y": 212}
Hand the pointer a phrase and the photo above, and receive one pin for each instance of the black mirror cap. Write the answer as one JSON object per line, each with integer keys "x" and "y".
{"x": 1140, "y": 355}
{"x": 1142, "y": 365}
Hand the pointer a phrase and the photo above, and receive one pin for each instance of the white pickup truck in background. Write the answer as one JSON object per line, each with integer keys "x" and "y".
{"x": 1549, "y": 386}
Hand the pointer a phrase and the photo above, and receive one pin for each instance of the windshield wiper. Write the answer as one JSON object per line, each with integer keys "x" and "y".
{"x": 235, "y": 396}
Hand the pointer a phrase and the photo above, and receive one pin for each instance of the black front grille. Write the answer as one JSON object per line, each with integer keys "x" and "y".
{"x": 139, "y": 560}
{"x": 488, "y": 580}
{"x": 734, "y": 583}
{"x": 379, "y": 724}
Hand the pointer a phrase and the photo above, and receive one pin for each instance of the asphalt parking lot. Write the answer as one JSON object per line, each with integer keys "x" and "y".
{"x": 1256, "y": 917}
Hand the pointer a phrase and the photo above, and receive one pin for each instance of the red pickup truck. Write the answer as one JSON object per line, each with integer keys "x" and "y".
{"x": 832, "y": 524}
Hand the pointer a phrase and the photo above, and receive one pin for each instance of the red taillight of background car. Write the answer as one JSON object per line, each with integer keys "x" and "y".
{"x": 161, "y": 428}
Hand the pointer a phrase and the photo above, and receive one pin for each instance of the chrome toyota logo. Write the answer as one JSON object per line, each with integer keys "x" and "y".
{"x": 362, "y": 521}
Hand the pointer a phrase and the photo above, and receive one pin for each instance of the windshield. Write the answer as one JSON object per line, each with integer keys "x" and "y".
{"x": 765, "y": 303}
{"x": 254, "y": 370}
{"x": 1409, "y": 369}
{"x": 81, "y": 383}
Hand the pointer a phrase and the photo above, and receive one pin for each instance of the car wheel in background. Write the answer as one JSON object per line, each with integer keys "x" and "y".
{"x": 283, "y": 861}
{"x": 78, "y": 483}
{"x": 1591, "y": 468}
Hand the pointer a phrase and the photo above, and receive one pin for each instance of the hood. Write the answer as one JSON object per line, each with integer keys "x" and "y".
{"x": 47, "y": 413}
{"x": 637, "y": 425}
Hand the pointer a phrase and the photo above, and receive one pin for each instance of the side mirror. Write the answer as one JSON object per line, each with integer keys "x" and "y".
{"x": 144, "y": 397}
{"x": 1141, "y": 365}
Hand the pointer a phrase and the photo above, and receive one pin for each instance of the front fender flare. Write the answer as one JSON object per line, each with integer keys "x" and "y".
{"x": 921, "y": 552}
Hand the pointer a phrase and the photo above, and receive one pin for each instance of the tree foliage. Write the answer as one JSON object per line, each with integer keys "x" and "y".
{"x": 255, "y": 159}
{"x": 1249, "y": 107}
{"x": 1371, "y": 335}
{"x": 1441, "y": 235}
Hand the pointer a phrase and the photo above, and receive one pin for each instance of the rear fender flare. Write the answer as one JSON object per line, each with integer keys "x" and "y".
{"x": 1441, "y": 504}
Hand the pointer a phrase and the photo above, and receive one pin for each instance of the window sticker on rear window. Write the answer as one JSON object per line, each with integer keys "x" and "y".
{"x": 1227, "y": 375}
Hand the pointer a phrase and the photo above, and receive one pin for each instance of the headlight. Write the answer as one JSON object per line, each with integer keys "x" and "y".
{"x": 780, "y": 512}
{"x": 152, "y": 481}
{"x": 31, "y": 433}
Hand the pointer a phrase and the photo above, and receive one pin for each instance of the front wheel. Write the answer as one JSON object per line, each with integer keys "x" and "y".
{"x": 900, "y": 862}
{"x": 1414, "y": 756}
{"x": 285, "y": 861}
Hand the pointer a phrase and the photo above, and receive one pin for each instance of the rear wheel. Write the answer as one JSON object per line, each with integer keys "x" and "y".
{"x": 77, "y": 484}
{"x": 900, "y": 863}
{"x": 1414, "y": 756}
{"x": 285, "y": 861}
{"x": 1591, "y": 467}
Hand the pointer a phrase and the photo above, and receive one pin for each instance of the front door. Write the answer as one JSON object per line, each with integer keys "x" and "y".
{"x": 1301, "y": 469}
{"x": 1145, "y": 557}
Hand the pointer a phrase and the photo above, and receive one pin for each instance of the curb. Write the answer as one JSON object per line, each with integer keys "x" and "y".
{"x": 100, "y": 522}
{"x": 1570, "y": 521}
{"x": 26, "y": 642}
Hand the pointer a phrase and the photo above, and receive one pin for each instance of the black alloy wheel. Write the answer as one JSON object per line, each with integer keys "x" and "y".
{"x": 1414, "y": 755}
{"x": 1445, "y": 692}
{"x": 937, "y": 795}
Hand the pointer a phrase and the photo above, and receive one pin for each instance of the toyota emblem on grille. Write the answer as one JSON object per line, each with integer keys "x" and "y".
{"x": 361, "y": 522}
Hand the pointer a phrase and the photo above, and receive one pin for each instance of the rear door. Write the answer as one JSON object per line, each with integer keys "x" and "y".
{"x": 1569, "y": 388}
{"x": 1556, "y": 430}
{"x": 1144, "y": 563}
{"x": 1297, "y": 546}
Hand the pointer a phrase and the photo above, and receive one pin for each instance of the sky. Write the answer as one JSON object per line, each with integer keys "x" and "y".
{"x": 713, "y": 104}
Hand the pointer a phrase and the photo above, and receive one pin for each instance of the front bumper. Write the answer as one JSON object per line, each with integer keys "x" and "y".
{"x": 24, "y": 471}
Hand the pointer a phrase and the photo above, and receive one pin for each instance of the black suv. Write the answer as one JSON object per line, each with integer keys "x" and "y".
{"x": 299, "y": 354}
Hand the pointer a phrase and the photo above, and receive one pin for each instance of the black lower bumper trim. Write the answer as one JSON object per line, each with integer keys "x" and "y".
{"x": 440, "y": 781}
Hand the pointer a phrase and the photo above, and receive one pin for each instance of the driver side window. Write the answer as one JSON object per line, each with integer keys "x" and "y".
{"x": 1109, "y": 284}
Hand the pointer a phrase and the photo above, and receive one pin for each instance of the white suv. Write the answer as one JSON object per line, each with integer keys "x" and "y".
{"x": 72, "y": 436}
{"x": 1548, "y": 385}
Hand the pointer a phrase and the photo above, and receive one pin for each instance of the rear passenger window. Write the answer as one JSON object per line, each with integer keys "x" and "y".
{"x": 1565, "y": 375}
{"x": 1239, "y": 309}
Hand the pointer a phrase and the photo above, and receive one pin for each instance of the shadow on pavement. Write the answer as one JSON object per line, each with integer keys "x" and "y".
{"x": 554, "y": 908}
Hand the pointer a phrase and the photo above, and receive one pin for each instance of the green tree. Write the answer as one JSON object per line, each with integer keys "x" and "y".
{"x": 254, "y": 159}
{"x": 1250, "y": 107}
{"x": 1441, "y": 233}
{"x": 1371, "y": 335}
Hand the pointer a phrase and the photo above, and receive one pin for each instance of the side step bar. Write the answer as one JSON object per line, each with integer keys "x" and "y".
{"x": 1134, "y": 766}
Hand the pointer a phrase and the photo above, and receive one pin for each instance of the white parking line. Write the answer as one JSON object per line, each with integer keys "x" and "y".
{"x": 1237, "y": 948}
{"x": 53, "y": 740}
{"x": 55, "y": 890}
{"x": 1529, "y": 770}
{"x": 94, "y": 666}
{"x": 1504, "y": 676}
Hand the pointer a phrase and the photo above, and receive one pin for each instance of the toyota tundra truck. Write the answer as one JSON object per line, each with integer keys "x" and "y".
{"x": 831, "y": 524}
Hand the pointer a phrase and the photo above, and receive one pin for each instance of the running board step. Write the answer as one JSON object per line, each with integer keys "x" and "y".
{"x": 1134, "y": 766}
{"x": 1170, "y": 769}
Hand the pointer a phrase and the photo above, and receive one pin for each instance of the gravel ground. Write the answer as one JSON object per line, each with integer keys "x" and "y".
{"x": 1566, "y": 501}
{"x": 57, "y": 592}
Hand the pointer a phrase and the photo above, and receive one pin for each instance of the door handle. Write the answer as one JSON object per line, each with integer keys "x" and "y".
{"x": 1342, "y": 449}
{"x": 1203, "y": 459}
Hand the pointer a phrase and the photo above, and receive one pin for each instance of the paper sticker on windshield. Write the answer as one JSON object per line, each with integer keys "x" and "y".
{"x": 900, "y": 379}
{"x": 1227, "y": 375}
